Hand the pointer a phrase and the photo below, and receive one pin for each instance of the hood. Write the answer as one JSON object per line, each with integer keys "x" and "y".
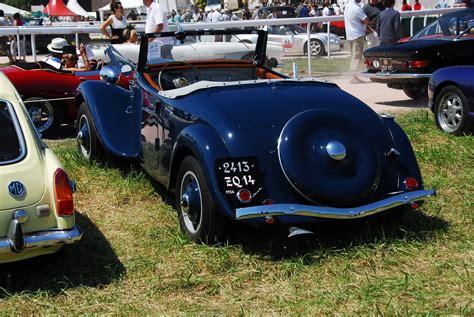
{"x": 405, "y": 49}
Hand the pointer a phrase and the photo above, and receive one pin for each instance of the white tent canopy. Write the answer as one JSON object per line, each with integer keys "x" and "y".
{"x": 75, "y": 7}
{"x": 9, "y": 10}
{"x": 127, "y": 4}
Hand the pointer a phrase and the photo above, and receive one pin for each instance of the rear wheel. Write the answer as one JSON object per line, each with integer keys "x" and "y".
{"x": 316, "y": 48}
{"x": 45, "y": 116}
{"x": 88, "y": 143}
{"x": 451, "y": 112}
{"x": 199, "y": 217}
{"x": 417, "y": 92}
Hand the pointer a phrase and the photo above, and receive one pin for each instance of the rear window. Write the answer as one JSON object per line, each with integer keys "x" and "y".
{"x": 12, "y": 146}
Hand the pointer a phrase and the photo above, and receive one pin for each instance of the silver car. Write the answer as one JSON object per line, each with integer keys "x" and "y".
{"x": 295, "y": 40}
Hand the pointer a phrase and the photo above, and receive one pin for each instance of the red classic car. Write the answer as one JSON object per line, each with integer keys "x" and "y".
{"x": 48, "y": 93}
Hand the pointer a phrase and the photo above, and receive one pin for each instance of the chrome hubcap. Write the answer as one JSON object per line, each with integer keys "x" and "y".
{"x": 450, "y": 112}
{"x": 83, "y": 137}
{"x": 315, "y": 48}
{"x": 191, "y": 202}
{"x": 336, "y": 150}
{"x": 41, "y": 113}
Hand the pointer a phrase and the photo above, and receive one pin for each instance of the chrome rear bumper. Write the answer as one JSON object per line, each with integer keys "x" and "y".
{"x": 383, "y": 75}
{"x": 41, "y": 239}
{"x": 333, "y": 213}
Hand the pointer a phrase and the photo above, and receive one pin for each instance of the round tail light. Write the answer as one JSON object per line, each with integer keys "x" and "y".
{"x": 244, "y": 196}
{"x": 411, "y": 183}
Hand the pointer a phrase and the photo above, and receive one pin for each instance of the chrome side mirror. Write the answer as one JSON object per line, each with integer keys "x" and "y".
{"x": 110, "y": 74}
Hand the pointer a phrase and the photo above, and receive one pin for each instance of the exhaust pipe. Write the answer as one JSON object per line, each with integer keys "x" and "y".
{"x": 295, "y": 231}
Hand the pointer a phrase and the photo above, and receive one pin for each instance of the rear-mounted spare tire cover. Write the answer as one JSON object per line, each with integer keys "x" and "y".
{"x": 328, "y": 158}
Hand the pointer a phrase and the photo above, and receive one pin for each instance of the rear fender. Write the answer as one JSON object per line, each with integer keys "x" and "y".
{"x": 407, "y": 163}
{"x": 206, "y": 145}
{"x": 116, "y": 114}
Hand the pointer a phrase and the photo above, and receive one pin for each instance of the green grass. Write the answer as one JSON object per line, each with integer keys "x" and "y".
{"x": 319, "y": 65}
{"x": 134, "y": 260}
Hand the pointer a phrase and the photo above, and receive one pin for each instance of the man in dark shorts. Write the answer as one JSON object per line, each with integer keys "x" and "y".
{"x": 4, "y": 39}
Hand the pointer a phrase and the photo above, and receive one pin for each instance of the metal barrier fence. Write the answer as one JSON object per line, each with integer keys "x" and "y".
{"x": 82, "y": 29}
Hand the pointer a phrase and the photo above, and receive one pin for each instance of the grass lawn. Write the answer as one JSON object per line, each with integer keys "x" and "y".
{"x": 318, "y": 65}
{"x": 134, "y": 260}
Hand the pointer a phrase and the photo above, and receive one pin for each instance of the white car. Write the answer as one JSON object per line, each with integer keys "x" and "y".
{"x": 295, "y": 40}
{"x": 205, "y": 50}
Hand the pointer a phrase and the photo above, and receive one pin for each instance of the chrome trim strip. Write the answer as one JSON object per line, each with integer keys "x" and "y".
{"x": 333, "y": 213}
{"x": 394, "y": 75}
{"x": 52, "y": 99}
{"x": 45, "y": 239}
{"x": 19, "y": 133}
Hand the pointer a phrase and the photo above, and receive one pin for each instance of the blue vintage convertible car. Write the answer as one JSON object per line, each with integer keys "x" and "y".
{"x": 451, "y": 98}
{"x": 238, "y": 141}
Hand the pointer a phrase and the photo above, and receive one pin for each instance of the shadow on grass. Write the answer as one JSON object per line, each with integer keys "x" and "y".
{"x": 337, "y": 236}
{"x": 329, "y": 236}
{"x": 63, "y": 132}
{"x": 410, "y": 103}
{"x": 92, "y": 262}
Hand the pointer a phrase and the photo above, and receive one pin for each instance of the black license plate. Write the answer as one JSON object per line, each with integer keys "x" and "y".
{"x": 386, "y": 64}
{"x": 234, "y": 174}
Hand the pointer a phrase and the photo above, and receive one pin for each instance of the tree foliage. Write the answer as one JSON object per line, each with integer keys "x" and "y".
{"x": 21, "y": 4}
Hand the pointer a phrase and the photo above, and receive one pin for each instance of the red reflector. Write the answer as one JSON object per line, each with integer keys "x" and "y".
{"x": 414, "y": 205}
{"x": 417, "y": 64}
{"x": 268, "y": 202}
{"x": 368, "y": 62}
{"x": 269, "y": 220}
{"x": 411, "y": 183}
{"x": 63, "y": 191}
{"x": 244, "y": 196}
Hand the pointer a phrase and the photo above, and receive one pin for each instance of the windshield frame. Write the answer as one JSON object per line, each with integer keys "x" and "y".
{"x": 19, "y": 133}
{"x": 260, "y": 48}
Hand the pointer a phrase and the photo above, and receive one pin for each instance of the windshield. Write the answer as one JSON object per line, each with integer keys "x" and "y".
{"x": 446, "y": 27}
{"x": 12, "y": 147}
{"x": 196, "y": 47}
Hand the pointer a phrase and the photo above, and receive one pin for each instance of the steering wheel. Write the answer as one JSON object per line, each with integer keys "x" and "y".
{"x": 161, "y": 74}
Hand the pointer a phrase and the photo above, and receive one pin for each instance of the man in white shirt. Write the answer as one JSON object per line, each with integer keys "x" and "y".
{"x": 356, "y": 28}
{"x": 156, "y": 18}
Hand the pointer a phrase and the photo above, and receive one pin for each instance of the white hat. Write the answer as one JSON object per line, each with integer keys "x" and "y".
{"x": 57, "y": 44}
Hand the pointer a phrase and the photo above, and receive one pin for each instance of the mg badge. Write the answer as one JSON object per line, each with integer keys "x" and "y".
{"x": 16, "y": 189}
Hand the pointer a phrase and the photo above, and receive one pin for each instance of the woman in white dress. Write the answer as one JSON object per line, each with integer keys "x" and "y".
{"x": 117, "y": 22}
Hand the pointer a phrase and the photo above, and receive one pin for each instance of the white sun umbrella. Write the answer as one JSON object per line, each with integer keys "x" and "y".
{"x": 9, "y": 10}
{"x": 75, "y": 7}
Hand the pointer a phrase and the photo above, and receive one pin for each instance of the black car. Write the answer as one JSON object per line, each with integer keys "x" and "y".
{"x": 282, "y": 12}
{"x": 448, "y": 41}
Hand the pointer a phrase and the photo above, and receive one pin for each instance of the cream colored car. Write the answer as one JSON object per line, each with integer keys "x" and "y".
{"x": 37, "y": 213}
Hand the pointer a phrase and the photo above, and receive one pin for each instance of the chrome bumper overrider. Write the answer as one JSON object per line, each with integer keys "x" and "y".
{"x": 395, "y": 75}
{"x": 40, "y": 239}
{"x": 333, "y": 213}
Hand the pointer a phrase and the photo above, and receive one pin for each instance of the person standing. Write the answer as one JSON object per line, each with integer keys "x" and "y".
{"x": 388, "y": 24}
{"x": 4, "y": 39}
{"x": 14, "y": 44}
{"x": 156, "y": 19}
{"x": 372, "y": 11}
{"x": 304, "y": 12}
{"x": 406, "y": 6}
{"x": 417, "y": 5}
{"x": 326, "y": 11}
{"x": 187, "y": 17}
{"x": 117, "y": 22}
{"x": 356, "y": 28}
